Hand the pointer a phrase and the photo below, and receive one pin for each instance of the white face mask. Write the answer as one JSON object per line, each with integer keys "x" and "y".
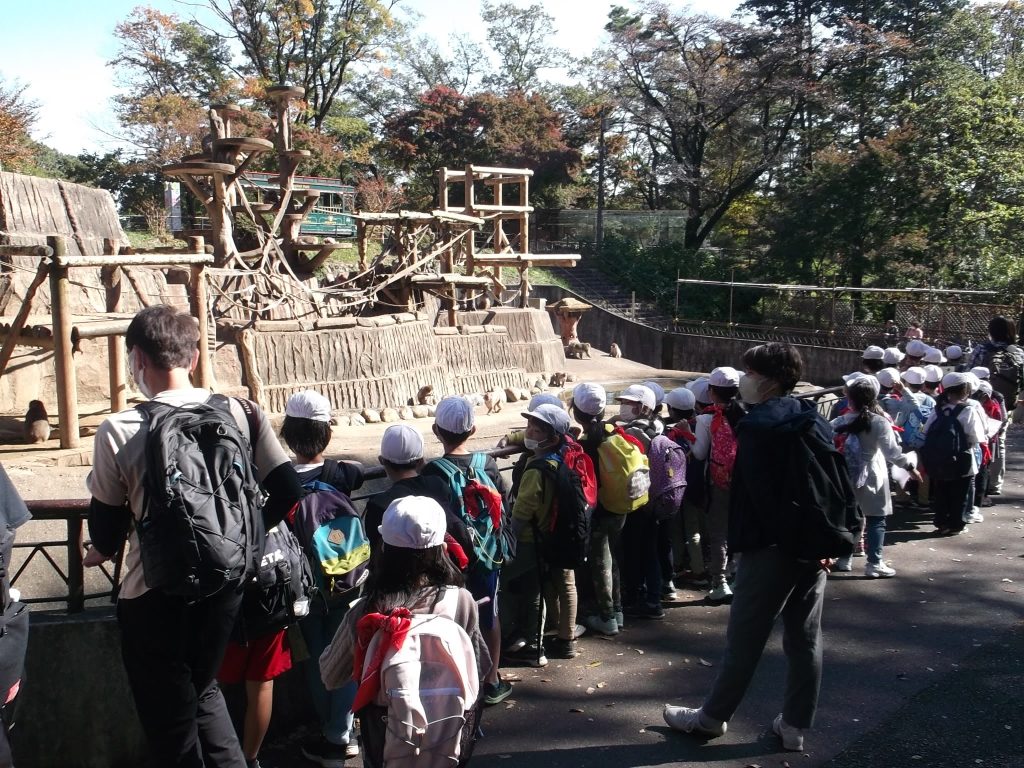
{"x": 138, "y": 373}
{"x": 754, "y": 389}
{"x": 531, "y": 444}
{"x": 628, "y": 411}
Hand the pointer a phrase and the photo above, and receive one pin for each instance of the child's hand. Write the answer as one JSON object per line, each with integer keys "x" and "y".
{"x": 94, "y": 557}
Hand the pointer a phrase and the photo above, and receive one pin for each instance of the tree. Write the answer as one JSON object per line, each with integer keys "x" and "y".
{"x": 519, "y": 36}
{"x": 18, "y": 114}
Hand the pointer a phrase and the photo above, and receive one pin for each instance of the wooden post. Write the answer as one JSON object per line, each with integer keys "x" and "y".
{"x": 199, "y": 305}
{"x": 63, "y": 361}
{"x": 115, "y": 343}
{"x": 19, "y": 322}
{"x": 250, "y": 367}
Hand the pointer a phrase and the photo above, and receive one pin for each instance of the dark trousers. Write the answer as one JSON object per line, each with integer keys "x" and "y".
{"x": 641, "y": 568}
{"x": 981, "y": 483}
{"x": 172, "y": 653}
{"x": 951, "y": 501}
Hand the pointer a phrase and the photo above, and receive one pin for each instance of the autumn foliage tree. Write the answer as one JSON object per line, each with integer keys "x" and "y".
{"x": 17, "y": 115}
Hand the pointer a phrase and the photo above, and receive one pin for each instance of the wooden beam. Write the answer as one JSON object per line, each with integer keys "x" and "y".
{"x": 19, "y": 322}
{"x": 63, "y": 360}
{"x": 135, "y": 260}
{"x": 482, "y": 169}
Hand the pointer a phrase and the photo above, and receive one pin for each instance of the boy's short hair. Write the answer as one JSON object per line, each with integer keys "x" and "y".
{"x": 168, "y": 336}
{"x": 414, "y": 465}
{"x": 306, "y": 437}
{"x": 777, "y": 361}
{"x": 678, "y": 415}
{"x": 724, "y": 393}
{"x": 451, "y": 438}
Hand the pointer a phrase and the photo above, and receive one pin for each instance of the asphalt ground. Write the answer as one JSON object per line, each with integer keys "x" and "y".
{"x": 924, "y": 669}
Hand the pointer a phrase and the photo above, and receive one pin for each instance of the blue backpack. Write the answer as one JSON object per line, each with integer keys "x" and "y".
{"x": 945, "y": 453}
{"x": 480, "y": 507}
{"x": 917, "y": 417}
{"x": 331, "y": 532}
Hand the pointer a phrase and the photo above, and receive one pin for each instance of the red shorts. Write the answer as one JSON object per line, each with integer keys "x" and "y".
{"x": 262, "y": 659}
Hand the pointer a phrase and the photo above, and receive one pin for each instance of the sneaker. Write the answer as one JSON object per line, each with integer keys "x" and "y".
{"x": 620, "y": 619}
{"x": 602, "y": 626}
{"x": 858, "y": 548}
{"x": 843, "y": 565}
{"x": 956, "y": 531}
{"x": 720, "y": 594}
{"x": 514, "y": 646}
{"x": 560, "y": 648}
{"x": 693, "y": 721}
{"x": 326, "y": 753}
{"x": 578, "y": 631}
{"x": 995, "y": 492}
{"x": 530, "y": 655}
{"x": 988, "y": 502}
{"x": 668, "y": 591}
{"x": 254, "y": 763}
{"x": 495, "y": 693}
{"x": 879, "y": 570}
{"x": 352, "y": 750}
{"x": 647, "y": 611}
{"x": 975, "y": 516}
{"x": 792, "y": 738}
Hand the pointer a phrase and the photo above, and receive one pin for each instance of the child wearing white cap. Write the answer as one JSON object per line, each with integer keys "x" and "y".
{"x": 995, "y": 421}
{"x": 871, "y": 360}
{"x": 413, "y": 573}
{"x": 686, "y": 528}
{"x": 914, "y": 407}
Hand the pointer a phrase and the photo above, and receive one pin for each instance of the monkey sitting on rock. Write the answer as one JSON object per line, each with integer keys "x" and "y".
{"x": 577, "y": 349}
{"x": 37, "y": 423}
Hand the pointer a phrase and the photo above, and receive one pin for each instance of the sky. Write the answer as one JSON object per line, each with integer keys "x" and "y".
{"x": 60, "y": 50}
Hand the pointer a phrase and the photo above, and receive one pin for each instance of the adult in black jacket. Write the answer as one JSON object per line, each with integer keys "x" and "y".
{"x": 768, "y": 582}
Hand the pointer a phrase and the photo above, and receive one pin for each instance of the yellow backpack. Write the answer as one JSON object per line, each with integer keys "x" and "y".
{"x": 624, "y": 473}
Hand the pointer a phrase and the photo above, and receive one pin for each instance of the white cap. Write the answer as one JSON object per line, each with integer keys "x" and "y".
{"x": 932, "y": 374}
{"x": 658, "y": 390}
{"x": 954, "y": 353}
{"x": 974, "y": 381}
{"x": 934, "y": 356}
{"x": 917, "y": 348}
{"x": 724, "y": 377}
{"x": 544, "y": 398}
{"x": 888, "y": 377}
{"x": 851, "y": 377}
{"x": 413, "y": 522}
{"x": 873, "y": 353}
{"x": 309, "y": 404}
{"x": 455, "y": 414}
{"x": 552, "y": 415}
{"x": 638, "y": 393}
{"x": 914, "y": 375}
{"x": 699, "y": 387}
{"x": 401, "y": 444}
{"x": 681, "y": 399}
{"x": 892, "y": 356}
{"x": 981, "y": 372}
{"x": 865, "y": 382}
{"x": 955, "y": 379}
{"x": 986, "y": 387}
{"x": 590, "y": 399}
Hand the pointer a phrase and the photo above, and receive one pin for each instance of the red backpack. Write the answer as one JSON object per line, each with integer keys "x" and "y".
{"x": 723, "y": 448}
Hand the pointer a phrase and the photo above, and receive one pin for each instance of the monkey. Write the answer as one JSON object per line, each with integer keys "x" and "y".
{"x": 558, "y": 379}
{"x": 614, "y": 350}
{"x": 37, "y": 423}
{"x": 425, "y": 396}
{"x": 578, "y": 350}
{"x": 494, "y": 400}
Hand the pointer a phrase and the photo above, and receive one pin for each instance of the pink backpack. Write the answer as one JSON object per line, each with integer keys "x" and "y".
{"x": 723, "y": 448}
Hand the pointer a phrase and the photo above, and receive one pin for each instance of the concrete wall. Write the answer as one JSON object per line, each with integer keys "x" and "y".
{"x": 75, "y": 709}
{"x": 689, "y": 352}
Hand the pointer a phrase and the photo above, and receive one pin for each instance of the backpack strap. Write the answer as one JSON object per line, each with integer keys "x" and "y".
{"x": 252, "y": 418}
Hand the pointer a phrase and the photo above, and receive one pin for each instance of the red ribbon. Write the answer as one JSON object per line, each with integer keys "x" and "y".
{"x": 395, "y": 627}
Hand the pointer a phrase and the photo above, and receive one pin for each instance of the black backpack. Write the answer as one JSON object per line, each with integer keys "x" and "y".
{"x": 1006, "y": 370}
{"x": 281, "y": 591}
{"x": 945, "y": 453}
{"x": 821, "y": 518}
{"x": 201, "y": 529}
{"x": 566, "y": 542}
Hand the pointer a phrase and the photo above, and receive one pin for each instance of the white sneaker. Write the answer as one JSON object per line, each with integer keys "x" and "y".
{"x": 879, "y": 570}
{"x": 620, "y": 619}
{"x": 601, "y": 626}
{"x": 693, "y": 721}
{"x": 792, "y": 738}
{"x": 975, "y": 516}
{"x": 578, "y": 631}
{"x": 843, "y": 564}
{"x": 720, "y": 593}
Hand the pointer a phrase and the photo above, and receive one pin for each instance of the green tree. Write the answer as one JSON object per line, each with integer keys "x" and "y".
{"x": 521, "y": 39}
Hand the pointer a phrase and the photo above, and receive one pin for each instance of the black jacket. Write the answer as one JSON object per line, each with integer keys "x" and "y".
{"x": 762, "y": 454}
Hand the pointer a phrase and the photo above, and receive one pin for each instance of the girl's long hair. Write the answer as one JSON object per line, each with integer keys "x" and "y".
{"x": 863, "y": 400}
{"x": 400, "y": 575}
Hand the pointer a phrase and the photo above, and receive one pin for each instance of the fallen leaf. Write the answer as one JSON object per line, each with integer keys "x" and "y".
{"x": 590, "y": 690}
{"x": 601, "y": 685}
{"x": 643, "y": 730}
{"x": 545, "y": 679}
{"x": 705, "y": 663}
{"x": 1007, "y": 581}
{"x": 576, "y": 710}
{"x": 596, "y": 663}
{"x": 639, "y": 650}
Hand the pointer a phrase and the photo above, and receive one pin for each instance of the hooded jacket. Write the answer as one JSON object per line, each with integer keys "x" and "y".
{"x": 759, "y": 496}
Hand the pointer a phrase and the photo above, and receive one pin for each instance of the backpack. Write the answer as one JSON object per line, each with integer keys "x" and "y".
{"x": 722, "y": 457}
{"x": 1006, "y": 367}
{"x": 422, "y": 668}
{"x": 668, "y": 476}
{"x": 822, "y": 518}
{"x": 280, "y": 592}
{"x": 566, "y": 542}
{"x": 331, "y": 532}
{"x": 624, "y": 472}
{"x": 13, "y": 628}
{"x": 853, "y": 455}
{"x": 917, "y": 417}
{"x": 481, "y": 508}
{"x": 945, "y": 453}
{"x": 201, "y": 529}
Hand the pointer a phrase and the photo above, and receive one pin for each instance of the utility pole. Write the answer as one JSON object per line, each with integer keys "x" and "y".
{"x": 599, "y": 225}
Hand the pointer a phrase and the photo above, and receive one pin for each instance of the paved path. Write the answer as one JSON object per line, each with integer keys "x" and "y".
{"x": 923, "y": 669}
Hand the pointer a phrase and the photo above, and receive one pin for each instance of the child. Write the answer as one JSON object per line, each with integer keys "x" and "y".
{"x": 916, "y": 350}
{"x": 952, "y": 477}
{"x": 892, "y": 357}
{"x": 871, "y": 361}
{"x": 869, "y": 445}
{"x": 955, "y": 357}
{"x": 687, "y": 527}
{"x": 997, "y": 469}
{"x": 413, "y": 574}
{"x": 995, "y": 425}
{"x": 889, "y": 398}
{"x": 307, "y": 432}
{"x": 932, "y": 378}
{"x": 454, "y": 425}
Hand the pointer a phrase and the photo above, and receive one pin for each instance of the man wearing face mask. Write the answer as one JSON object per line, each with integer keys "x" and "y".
{"x": 770, "y": 580}
{"x": 172, "y": 647}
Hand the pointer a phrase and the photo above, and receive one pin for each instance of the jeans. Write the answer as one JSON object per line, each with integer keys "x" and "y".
{"x": 172, "y": 652}
{"x": 521, "y": 579}
{"x": 605, "y": 534}
{"x": 687, "y": 538}
{"x": 333, "y": 708}
{"x": 769, "y": 583}
{"x": 874, "y": 533}
{"x": 716, "y": 539}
